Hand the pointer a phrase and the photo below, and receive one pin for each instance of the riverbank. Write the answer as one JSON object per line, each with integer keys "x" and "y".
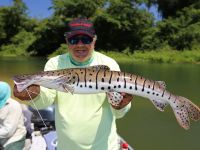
{"x": 162, "y": 56}
{"x": 154, "y": 56}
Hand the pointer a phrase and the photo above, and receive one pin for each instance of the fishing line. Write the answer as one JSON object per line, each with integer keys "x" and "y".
{"x": 35, "y": 106}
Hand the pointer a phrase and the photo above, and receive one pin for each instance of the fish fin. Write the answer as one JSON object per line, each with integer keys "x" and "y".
{"x": 69, "y": 88}
{"x": 193, "y": 110}
{"x": 182, "y": 117}
{"x": 160, "y": 105}
{"x": 186, "y": 111}
{"x": 114, "y": 98}
{"x": 162, "y": 84}
{"x": 99, "y": 67}
{"x": 22, "y": 82}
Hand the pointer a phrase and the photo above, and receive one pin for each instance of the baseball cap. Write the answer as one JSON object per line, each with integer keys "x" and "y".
{"x": 80, "y": 26}
{"x": 5, "y": 93}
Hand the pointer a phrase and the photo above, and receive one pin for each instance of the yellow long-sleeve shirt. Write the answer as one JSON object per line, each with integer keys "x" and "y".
{"x": 83, "y": 122}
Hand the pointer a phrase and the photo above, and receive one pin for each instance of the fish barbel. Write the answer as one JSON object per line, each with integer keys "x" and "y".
{"x": 98, "y": 79}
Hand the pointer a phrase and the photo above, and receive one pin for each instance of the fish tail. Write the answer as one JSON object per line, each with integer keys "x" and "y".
{"x": 193, "y": 110}
{"x": 186, "y": 111}
{"x": 22, "y": 82}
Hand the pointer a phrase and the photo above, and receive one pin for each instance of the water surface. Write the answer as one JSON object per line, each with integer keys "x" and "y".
{"x": 144, "y": 126}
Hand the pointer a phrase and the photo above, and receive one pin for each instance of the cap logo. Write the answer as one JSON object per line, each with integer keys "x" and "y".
{"x": 81, "y": 24}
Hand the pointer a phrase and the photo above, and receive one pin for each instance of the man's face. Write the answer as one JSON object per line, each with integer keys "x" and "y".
{"x": 81, "y": 47}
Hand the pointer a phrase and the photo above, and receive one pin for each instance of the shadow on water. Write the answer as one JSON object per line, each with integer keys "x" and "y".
{"x": 144, "y": 127}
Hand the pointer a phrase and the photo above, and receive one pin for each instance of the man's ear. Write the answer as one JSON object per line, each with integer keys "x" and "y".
{"x": 95, "y": 37}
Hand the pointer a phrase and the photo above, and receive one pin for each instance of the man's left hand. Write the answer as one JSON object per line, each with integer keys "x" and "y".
{"x": 125, "y": 101}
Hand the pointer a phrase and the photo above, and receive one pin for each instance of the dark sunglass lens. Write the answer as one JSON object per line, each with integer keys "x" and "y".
{"x": 73, "y": 40}
{"x": 86, "y": 39}
{"x": 76, "y": 39}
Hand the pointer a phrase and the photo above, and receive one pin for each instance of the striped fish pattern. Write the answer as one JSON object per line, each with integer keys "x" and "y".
{"x": 98, "y": 79}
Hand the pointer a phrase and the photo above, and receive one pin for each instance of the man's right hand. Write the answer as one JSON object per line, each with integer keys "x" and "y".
{"x": 34, "y": 90}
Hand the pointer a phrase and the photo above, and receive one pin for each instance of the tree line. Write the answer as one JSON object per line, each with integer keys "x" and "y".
{"x": 121, "y": 25}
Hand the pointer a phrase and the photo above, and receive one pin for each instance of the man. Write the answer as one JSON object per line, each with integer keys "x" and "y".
{"x": 12, "y": 129}
{"x": 83, "y": 122}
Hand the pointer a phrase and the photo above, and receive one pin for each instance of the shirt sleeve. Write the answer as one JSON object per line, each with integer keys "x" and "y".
{"x": 119, "y": 113}
{"x": 46, "y": 96}
{"x": 9, "y": 125}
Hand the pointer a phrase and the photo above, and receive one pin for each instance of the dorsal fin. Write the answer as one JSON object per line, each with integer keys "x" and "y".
{"x": 99, "y": 67}
{"x": 162, "y": 84}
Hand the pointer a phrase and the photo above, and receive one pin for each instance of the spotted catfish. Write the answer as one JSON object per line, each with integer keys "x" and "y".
{"x": 97, "y": 79}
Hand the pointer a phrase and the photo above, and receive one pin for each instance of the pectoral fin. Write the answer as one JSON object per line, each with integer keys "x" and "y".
{"x": 69, "y": 88}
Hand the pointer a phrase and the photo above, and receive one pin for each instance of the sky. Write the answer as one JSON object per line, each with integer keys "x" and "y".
{"x": 40, "y": 8}
{"x": 36, "y": 8}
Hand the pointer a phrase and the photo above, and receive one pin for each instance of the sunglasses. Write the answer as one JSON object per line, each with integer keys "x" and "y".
{"x": 84, "y": 39}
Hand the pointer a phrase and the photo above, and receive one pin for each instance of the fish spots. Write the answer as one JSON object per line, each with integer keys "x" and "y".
{"x": 104, "y": 73}
{"x": 163, "y": 93}
{"x": 111, "y": 73}
{"x": 153, "y": 85}
{"x": 85, "y": 77}
{"x": 136, "y": 83}
{"x": 124, "y": 80}
{"x": 97, "y": 79}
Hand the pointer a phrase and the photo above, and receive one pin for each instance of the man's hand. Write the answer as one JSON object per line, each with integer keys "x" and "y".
{"x": 34, "y": 90}
{"x": 125, "y": 101}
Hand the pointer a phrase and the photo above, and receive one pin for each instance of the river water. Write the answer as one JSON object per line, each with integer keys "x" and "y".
{"x": 144, "y": 127}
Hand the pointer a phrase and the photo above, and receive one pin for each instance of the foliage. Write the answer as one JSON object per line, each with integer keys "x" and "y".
{"x": 76, "y": 8}
{"x": 61, "y": 50}
{"x": 159, "y": 56}
{"x": 117, "y": 30}
{"x": 182, "y": 32}
{"x": 169, "y": 8}
{"x": 20, "y": 43}
{"x": 50, "y": 34}
{"x": 121, "y": 26}
{"x": 12, "y": 19}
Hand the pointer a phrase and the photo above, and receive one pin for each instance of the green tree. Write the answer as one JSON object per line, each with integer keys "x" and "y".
{"x": 12, "y": 19}
{"x": 170, "y": 7}
{"x": 119, "y": 31}
{"x": 182, "y": 31}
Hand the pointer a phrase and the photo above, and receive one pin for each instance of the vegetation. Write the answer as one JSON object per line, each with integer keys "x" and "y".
{"x": 161, "y": 56}
{"x": 122, "y": 26}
